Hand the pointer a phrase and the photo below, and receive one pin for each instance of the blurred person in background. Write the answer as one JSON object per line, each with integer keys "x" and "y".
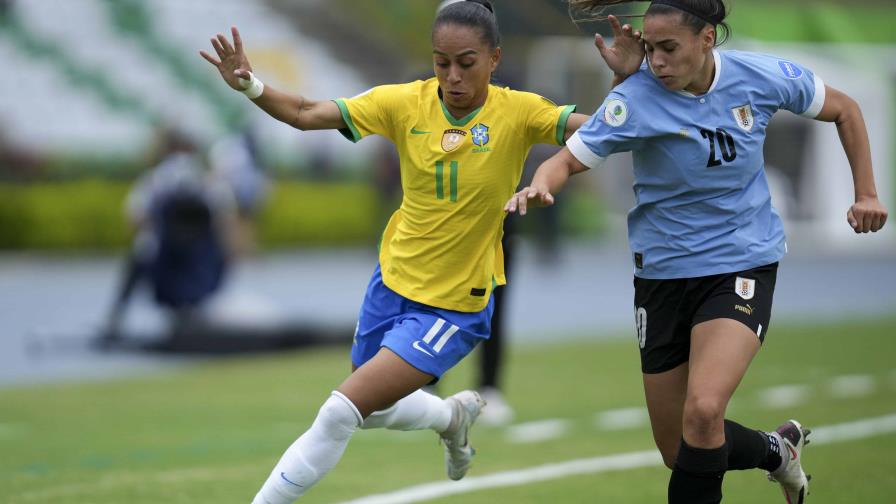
{"x": 462, "y": 143}
{"x": 180, "y": 219}
{"x": 236, "y": 164}
{"x": 705, "y": 238}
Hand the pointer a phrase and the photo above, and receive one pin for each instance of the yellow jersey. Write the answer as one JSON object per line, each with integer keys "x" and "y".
{"x": 442, "y": 247}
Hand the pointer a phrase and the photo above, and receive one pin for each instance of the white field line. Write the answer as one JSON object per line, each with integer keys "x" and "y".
{"x": 784, "y": 396}
{"x": 852, "y": 386}
{"x": 621, "y": 419}
{"x": 535, "y": 432}
{"x": 821, "y": 435}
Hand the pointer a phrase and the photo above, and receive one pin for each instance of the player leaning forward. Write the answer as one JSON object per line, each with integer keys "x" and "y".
{"x": 704, "y": 236}
{"x": 462, "y": 143}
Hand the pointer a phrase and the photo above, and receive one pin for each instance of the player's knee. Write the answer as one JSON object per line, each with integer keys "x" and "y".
{"x": 339, "y": 412}
{"x": 704, "y": 415}
{"x": 379, "y": 419}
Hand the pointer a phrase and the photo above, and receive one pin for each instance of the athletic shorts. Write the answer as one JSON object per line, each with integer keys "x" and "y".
{"x": 431, "y": 339}
{"x": 667, "y": 310}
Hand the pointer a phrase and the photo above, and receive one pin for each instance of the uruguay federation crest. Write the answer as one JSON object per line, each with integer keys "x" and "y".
{"x": 745, "y": 287}
{"x": 480, "y": 134}
{"x": 452, "y": 139}
{"x": 744, "y": 117}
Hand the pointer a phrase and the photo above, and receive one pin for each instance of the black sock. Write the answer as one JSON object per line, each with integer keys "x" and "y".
{"x": 773, "y": 458}
{"x": 749, "y": 449}
{"x": 698, "y": 473}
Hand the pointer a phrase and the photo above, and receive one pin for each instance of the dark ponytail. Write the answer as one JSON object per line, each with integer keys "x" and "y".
{"x": 477, "y": 14}
{"x": 696, "y": 14}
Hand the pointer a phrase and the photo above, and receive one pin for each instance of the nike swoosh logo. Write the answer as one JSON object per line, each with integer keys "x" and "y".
{"x": 418, "y": 347}
{"x": 415, "y": 131}
{"x": 792, "y": 452}
{"x": 283, "y": 475}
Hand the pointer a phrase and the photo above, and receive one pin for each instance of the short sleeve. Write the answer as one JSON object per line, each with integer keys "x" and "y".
{"x": 612, "y": 129}
{"x": 368, "y": 113}
{"x": 545, "y": 120}
{"x": 799, "y": 89}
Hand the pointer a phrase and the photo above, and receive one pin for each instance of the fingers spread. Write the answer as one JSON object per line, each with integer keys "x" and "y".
{"x": 209, "y": 58}
{"x": 617, "y": 27}
{"x": 225, "y": 44}
{"x": 237, "y": 40}
{"x": 218, "y": 49}
{"x": 599, "y": 42}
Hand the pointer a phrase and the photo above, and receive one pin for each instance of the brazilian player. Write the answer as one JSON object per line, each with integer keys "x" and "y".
{"x": 462, "y": 143}
{"x": 704, "y": 236}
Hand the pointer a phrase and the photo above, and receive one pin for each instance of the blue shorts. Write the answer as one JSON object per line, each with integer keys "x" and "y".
{"x": 431, "y": 339}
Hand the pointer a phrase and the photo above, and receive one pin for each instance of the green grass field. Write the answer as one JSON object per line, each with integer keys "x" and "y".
{"x": 211, "y": 433}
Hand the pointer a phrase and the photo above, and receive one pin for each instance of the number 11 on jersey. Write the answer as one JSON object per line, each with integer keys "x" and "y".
{"x": 440, "y": 180}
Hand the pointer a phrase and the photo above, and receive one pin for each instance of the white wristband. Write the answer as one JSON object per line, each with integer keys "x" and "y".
{"x": 252, "y": 87}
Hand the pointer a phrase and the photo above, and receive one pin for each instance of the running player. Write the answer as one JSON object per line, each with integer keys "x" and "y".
{"x": 462, "y": 143}
{"x": 704, "y": 237}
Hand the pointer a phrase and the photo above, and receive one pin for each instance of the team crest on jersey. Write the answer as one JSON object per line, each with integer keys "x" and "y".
{"x": 480, "y": 134}
{"x": 744, "y": 117}
{"x": 615, "y": 113}
{"x": 745, "y": 287}
{"x": 452, "y": 139}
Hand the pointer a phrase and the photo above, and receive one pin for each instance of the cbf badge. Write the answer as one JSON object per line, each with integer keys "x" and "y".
{"x": 745, "y": 287}
{"x": 480, "y": 134}
{"x": 744, "y": 117}
{"x": 452, "y": 139}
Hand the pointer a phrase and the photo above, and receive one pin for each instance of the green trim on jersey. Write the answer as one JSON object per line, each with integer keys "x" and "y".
{"x": 561, "y": 123}
{"x": 458, "y": 122}
{"x": 351, "y": 132}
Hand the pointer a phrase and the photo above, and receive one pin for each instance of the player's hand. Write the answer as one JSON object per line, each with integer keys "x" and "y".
{"x": 867, "y": 214}
{"x": 233, "y": 63}
{"x": 531, "y": 196}
{"x": 627, "y": 53}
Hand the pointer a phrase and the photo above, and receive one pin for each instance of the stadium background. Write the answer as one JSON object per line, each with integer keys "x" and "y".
{"x": 90, "y": 83}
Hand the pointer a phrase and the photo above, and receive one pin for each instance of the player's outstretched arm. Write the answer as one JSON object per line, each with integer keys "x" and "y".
{"x": 868, "y": 213}
{"x": 549, "y": 179}
{"x": 626, "y": 54}
{"x": 573, "y": 123}
{"x": 294, "y": 110}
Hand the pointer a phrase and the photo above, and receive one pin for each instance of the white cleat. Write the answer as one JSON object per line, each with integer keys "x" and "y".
{"x": 465, "y": 408}
{"x": 790, "y": 475}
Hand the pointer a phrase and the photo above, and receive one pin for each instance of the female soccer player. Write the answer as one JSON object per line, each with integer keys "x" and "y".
{"x": 704, "y": 236}
{"x": 462, "y": 143}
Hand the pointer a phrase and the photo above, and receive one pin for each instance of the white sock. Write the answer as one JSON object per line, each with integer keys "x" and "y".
{"x": 419, "y": 410}
{"x": 314, "y": 454}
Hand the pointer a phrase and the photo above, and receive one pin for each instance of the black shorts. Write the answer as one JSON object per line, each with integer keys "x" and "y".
{"x": 667, "y": 310}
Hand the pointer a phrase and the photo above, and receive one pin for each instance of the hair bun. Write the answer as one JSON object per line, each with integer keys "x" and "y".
{"x": 484, "y": 3}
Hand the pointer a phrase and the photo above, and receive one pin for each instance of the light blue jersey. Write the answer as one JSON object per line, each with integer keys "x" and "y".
{"x": 702, "y": 203}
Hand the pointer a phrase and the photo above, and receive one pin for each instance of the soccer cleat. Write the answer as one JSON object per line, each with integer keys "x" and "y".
{"x": 465, "y": 408}
{"x": 790, "y": 475}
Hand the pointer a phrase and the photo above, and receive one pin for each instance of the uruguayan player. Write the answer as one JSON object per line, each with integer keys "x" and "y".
{"x": 704, "y": 237}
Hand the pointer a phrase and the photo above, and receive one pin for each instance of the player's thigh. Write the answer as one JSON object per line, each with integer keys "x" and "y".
{"x": 728, "y": 329}
{"x": 382, "y": 381}
{"x": 721, "y": 351}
